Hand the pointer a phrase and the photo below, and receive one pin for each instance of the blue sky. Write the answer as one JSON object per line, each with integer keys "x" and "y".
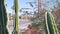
{"x": 23, "y": 4}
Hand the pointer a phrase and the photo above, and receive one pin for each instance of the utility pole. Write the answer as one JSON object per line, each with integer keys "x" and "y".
{"x": 39, "y": 6}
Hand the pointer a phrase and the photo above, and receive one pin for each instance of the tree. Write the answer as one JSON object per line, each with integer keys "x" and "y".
{"x": 9, "y": 16}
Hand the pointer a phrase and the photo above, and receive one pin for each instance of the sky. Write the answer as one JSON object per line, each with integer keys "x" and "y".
{"x": 24, "y": 4}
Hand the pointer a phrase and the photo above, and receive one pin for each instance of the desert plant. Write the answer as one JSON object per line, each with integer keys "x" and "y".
{"x": 50, "y": 25}
{"x": 3, "y": 18}
{"x": 16, "y": 17}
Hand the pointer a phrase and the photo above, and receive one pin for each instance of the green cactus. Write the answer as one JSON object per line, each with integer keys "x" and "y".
{"x": 16, "y": 17}
{"x": 3, "y": 18}
{"x": 50, "y": 25}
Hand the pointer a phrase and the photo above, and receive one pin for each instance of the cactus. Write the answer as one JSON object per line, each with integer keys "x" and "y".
{"x": 51, "y": 27}
{"x": 3, "y": 18}
{"x": 16, "y": 17}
